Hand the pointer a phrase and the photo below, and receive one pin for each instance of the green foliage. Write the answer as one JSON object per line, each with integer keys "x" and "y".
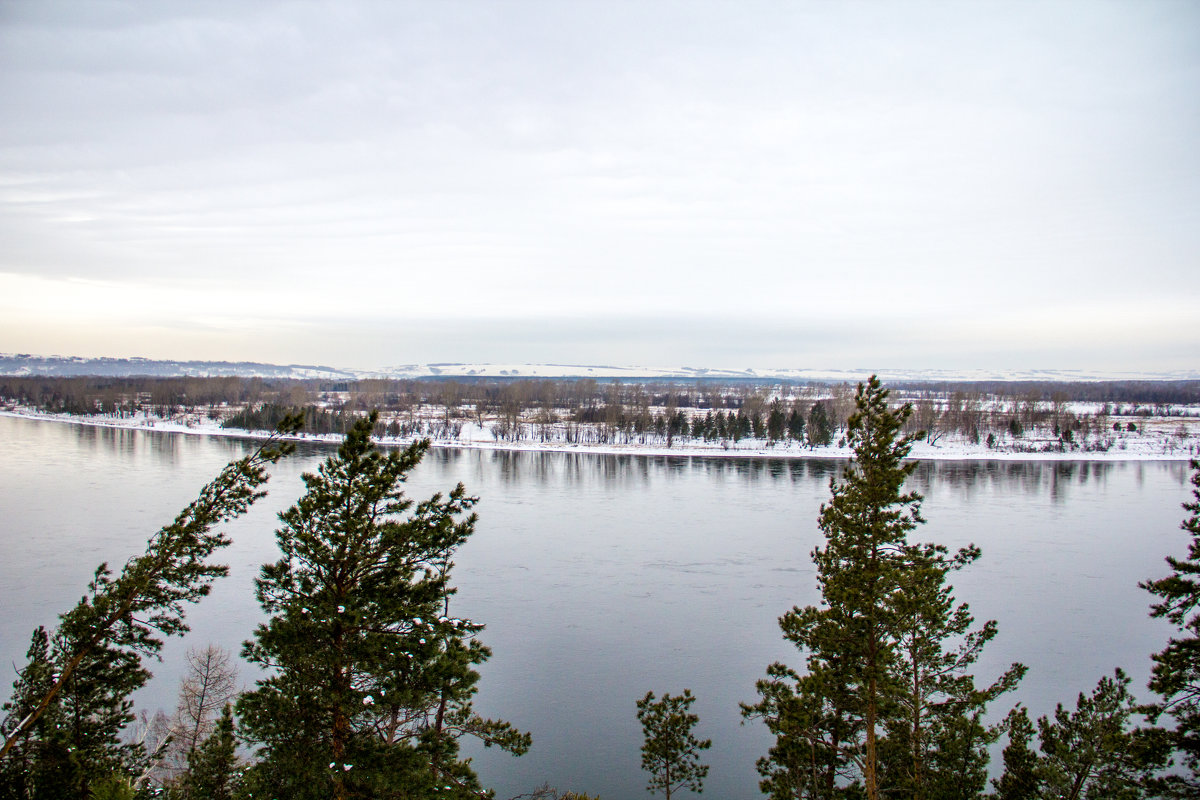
{"x": 370, "y": 679}
{"x": 317, "y": 420}
{"x": 936, "y": 744}
{"x": 213, "y": 768}
{"x": 1090, "y": 753}
{"x": 671, "y": 753}
{"x": 861, "y": 569}
{"x": 1020, "y": 778}
{"x": 63, "y": 722}
{"x": 1176, "y": 672}
{"x": 815, "y": 732}
{"x": 886, "y": 705}
{"x": 113, "y": 787}
{"x": 42, "y": 762}
{"x": 819, "y": 427}
{"x": 776, "y": 422}
{"x": 796, "y": 425}
{"x": 834, "y": 712}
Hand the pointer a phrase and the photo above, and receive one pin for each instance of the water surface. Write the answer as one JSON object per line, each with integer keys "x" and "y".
{"x": 602, "y": 577}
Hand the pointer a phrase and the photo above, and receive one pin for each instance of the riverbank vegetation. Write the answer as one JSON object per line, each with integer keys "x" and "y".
{"x": 368, "y": 676}
{"x": 1017, "y": 418}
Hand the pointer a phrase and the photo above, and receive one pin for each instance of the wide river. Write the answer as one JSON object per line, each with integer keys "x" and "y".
{"x": 602, "y": 577}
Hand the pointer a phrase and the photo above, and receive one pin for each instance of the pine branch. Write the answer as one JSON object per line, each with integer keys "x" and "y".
{"x": 146, "y": 582}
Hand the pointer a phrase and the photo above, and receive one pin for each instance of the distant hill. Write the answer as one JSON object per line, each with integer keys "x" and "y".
{"x": 783, "y": 374}
{"x": 24, "y": 364}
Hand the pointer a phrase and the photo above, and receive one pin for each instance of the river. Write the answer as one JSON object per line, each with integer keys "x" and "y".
{"x": 602, "y": 577}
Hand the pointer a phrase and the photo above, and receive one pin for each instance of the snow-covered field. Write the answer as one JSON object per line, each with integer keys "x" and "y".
{"x": 1163, "y": 438}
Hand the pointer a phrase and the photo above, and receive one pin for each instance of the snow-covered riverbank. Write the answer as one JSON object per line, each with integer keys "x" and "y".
{"x": 1156, "y": 439}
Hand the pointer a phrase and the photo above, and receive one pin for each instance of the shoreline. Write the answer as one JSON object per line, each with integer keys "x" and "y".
{"x": 958, "y": 451}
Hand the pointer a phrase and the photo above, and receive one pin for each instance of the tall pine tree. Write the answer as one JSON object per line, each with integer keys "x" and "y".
{"x": 885, "y": 705}
{"x": 1176, "y": 673}
{"x": 861, "y": 568}
{"x": 370, "y": 679}
{"x": 671, "y": 752}
{"x": 64, "y": 720}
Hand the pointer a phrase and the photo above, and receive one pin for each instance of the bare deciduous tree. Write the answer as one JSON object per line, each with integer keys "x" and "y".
{"x": 210, "y": 683}
{"x": 153, "y": 736}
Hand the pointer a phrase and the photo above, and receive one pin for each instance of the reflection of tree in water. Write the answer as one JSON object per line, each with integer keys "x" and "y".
{"x": 567, "y": 468}
{"x": 638, "y": 470}
{"x": 164, "y": 447}
{"x": 1031, "y": 478}
{"x": 964, "y": 479}
{"x": 117, "y": 440}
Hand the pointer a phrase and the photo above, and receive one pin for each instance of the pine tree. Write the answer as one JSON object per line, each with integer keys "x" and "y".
{"x": 671, "y": 752}
{"x": 795, "y": 424}
{"x": 113, "y": 787}
{"x": 861, "y": 568}
{"x": 63, "y": 723}
{"x": 1176, "y": 673}
{"x": 886, "y": 703}
{"x": 816, "y": 731}
{"x": 719, "y": 425}
{"x": 820, "y": 429}
{"x": 41, "y": 763}
{"x": 850, "y": 639}
{"x": 936, "y": 743}
{"x": 213, "y": 768}
{"x": 369, "y": 677}
{"x": 1019, "y": 780}
{"x": 1091, "y": 753}
{"x": 776, "y": 421}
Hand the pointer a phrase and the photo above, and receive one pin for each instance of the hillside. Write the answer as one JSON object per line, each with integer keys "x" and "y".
{"x": 25, "y": 364}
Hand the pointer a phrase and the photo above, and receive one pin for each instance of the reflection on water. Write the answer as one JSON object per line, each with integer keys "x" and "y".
{"x": 632, "y": 470}
{"x": 601, "y": 577}
{"x": 1056, "y": 479}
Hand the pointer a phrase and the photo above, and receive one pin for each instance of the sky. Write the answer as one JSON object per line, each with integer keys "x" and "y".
{"x": 891, "y": 185}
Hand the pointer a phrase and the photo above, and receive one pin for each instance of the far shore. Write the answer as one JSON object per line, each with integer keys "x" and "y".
{"x": 1147, "y": 445}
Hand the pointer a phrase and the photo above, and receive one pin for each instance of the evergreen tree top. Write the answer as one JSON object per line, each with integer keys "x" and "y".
{"x": 370, "y": 678}
{"x": 873, "y": 433}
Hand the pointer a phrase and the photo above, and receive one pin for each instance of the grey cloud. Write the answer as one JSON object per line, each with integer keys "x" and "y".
{"x": 625, "y": 159}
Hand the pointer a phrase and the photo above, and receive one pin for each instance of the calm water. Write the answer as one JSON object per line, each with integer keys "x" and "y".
{"x": 602, "y": 577}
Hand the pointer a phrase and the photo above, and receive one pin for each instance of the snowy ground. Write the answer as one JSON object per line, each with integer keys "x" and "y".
{"x": 1165, "y": 438}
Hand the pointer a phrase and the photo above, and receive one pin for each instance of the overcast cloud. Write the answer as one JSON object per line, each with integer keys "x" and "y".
{"x": 779, "y": 184}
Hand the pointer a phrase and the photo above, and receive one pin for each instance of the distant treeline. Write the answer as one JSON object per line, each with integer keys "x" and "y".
{"x": 166, "y": 396}
{"x": 1156, "y": 392}
{"x": 318, "y": 420}
{"x": 91, "y": 394}
{"x": 585, "y": 411}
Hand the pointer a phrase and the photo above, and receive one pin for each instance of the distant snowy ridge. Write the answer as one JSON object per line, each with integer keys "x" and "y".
{"x": 477, "y": 370}
{"x": 24, "y": 364}
{"x": 67, "y": 366}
